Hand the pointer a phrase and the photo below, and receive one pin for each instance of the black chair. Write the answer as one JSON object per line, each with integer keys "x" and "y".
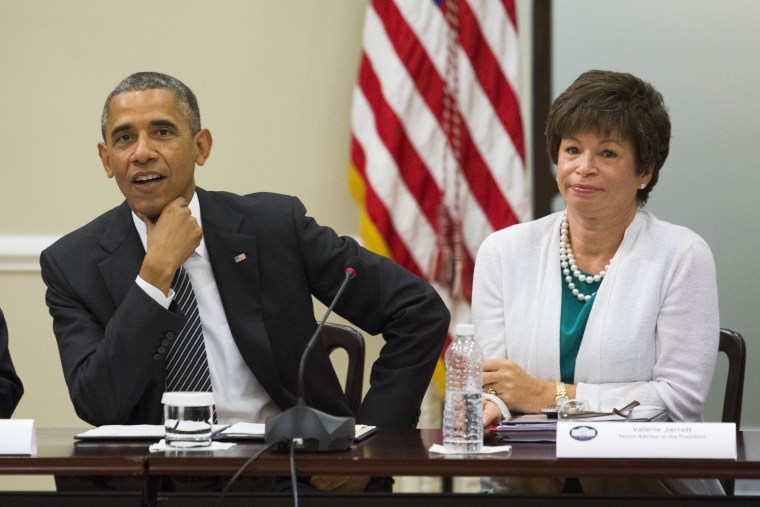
{"x": 732, "y": 344}
{"x": 336, "y": 336}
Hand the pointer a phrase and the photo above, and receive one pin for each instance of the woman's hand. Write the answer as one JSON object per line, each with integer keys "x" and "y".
{"x": 491, "y": 416}
{"x": 520, "y": 391}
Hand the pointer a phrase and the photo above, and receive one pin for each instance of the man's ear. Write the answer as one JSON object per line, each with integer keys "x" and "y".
{"x": 105, "y": 159}
{"x": 203, "y": 143}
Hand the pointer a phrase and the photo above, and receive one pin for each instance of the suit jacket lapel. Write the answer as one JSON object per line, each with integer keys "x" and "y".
{"x": 120, "y": 269}
{"x": 233, "y": 259}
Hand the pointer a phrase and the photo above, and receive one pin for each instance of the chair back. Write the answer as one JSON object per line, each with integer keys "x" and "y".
{"x": 335, "y": 336}
{"x": 732, "y": 344}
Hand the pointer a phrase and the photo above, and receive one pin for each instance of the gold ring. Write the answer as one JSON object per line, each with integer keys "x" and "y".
{"x": 492, "y": 391}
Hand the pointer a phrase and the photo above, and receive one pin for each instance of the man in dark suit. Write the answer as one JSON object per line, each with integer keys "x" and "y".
{"x": 11, "y": 387}
{"x": 255, "y": 262}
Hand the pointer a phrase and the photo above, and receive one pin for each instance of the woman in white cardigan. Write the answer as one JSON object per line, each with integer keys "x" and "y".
{"x": 601, "y": 302}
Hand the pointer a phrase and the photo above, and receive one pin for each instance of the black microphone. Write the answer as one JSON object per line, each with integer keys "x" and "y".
{"x": 307, "y": 428}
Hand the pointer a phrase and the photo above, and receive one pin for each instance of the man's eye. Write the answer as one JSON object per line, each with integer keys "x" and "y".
{"x": 123, "y": 138}
{"x": 163, "y": 132}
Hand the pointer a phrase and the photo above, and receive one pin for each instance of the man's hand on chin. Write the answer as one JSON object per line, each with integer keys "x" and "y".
{"x": 172, "y": 238}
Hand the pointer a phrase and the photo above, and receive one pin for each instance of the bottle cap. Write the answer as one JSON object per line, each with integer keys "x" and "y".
{"x": 464, "y": 330}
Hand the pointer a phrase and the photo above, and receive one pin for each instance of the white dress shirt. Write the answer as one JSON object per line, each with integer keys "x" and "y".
{"x": 237, "y": 393}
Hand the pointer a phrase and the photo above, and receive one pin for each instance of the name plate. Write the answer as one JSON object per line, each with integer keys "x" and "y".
{"x": 17, "y": 436}
{"x": 698, "y": 440}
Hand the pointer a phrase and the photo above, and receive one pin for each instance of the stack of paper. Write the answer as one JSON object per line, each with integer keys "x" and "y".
{"x": 540, "y": 428}
{"x": 527, "y": 428}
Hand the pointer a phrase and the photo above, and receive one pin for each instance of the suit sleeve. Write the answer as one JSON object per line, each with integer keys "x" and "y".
{"x": 11, "y": 387}
{"x": 383, "y": 299}
{"x": 111, "y": 356}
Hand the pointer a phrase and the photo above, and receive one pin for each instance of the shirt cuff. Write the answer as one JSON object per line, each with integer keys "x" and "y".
{"x": 155, "y": 293}
{"x": 505, "y": 413}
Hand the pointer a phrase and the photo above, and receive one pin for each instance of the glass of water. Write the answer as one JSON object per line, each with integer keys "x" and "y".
{"x": 188, "y": 418}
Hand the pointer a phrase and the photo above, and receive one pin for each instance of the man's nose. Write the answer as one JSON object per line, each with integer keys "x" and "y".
{"x": 144, "y": 150}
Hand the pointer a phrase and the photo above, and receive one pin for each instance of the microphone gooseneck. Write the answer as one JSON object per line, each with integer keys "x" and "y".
{"x": 350, "y": 274}
{"x": 306, "y": 428}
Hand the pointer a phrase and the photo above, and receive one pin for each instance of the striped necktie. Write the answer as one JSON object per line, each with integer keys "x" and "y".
{"x": 186, "y": 362}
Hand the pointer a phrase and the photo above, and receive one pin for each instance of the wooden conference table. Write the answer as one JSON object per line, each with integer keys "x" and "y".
{"x": 388, "y": 452}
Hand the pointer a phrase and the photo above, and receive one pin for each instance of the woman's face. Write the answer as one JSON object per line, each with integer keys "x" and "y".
{"x": 596, "y": 174}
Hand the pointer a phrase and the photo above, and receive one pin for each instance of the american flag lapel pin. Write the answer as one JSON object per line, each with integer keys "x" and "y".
{"x": 239, "y": 257}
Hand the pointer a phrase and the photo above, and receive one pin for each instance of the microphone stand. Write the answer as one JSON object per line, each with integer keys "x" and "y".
{"x": 307, "y": 428}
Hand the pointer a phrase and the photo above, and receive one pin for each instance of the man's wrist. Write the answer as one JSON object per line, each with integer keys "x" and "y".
{"x": 155, "y": 293}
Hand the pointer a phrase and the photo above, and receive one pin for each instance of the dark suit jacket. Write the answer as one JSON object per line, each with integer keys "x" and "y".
{"x": 109, "y": 331}
{"x": 11, "y": 387}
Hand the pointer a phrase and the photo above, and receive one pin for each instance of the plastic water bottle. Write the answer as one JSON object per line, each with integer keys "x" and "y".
{"x": 463, "y": 408}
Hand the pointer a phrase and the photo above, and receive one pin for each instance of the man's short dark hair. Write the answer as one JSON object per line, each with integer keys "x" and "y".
{"x": 154, "y": 80}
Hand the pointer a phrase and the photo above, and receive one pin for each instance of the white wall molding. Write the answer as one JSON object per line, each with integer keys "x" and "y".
{"x": 22, "y": 252}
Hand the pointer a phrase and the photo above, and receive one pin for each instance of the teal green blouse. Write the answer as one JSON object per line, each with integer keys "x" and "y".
{"x": 572, "y": 323}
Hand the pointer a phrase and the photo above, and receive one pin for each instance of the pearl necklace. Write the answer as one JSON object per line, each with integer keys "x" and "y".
{"x": 567, "y": 261}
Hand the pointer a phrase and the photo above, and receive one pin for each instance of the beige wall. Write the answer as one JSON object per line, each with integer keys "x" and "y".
{"x": 273, "y": 79}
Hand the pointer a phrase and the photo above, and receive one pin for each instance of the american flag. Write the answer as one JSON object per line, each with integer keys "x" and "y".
{"x": 437, "y": 151}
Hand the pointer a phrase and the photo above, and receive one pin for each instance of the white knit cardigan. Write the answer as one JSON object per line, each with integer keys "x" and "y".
{"x": 653, "y": 331}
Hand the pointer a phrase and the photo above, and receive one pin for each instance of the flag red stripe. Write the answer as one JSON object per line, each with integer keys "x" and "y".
{"x": 379, "y": 214}
{"x": 509, "y": 7}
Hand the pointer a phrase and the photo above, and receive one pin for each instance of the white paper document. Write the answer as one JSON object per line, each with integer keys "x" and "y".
{"x": 124, "y": 431}
{"x": 244, "y": 430}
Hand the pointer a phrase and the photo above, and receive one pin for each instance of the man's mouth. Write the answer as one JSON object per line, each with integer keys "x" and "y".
{"x": 147, "y": 178}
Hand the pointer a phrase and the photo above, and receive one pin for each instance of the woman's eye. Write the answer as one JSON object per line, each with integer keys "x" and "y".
{"x": 609, "y": 154}
{"x": 572, "y": 150}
